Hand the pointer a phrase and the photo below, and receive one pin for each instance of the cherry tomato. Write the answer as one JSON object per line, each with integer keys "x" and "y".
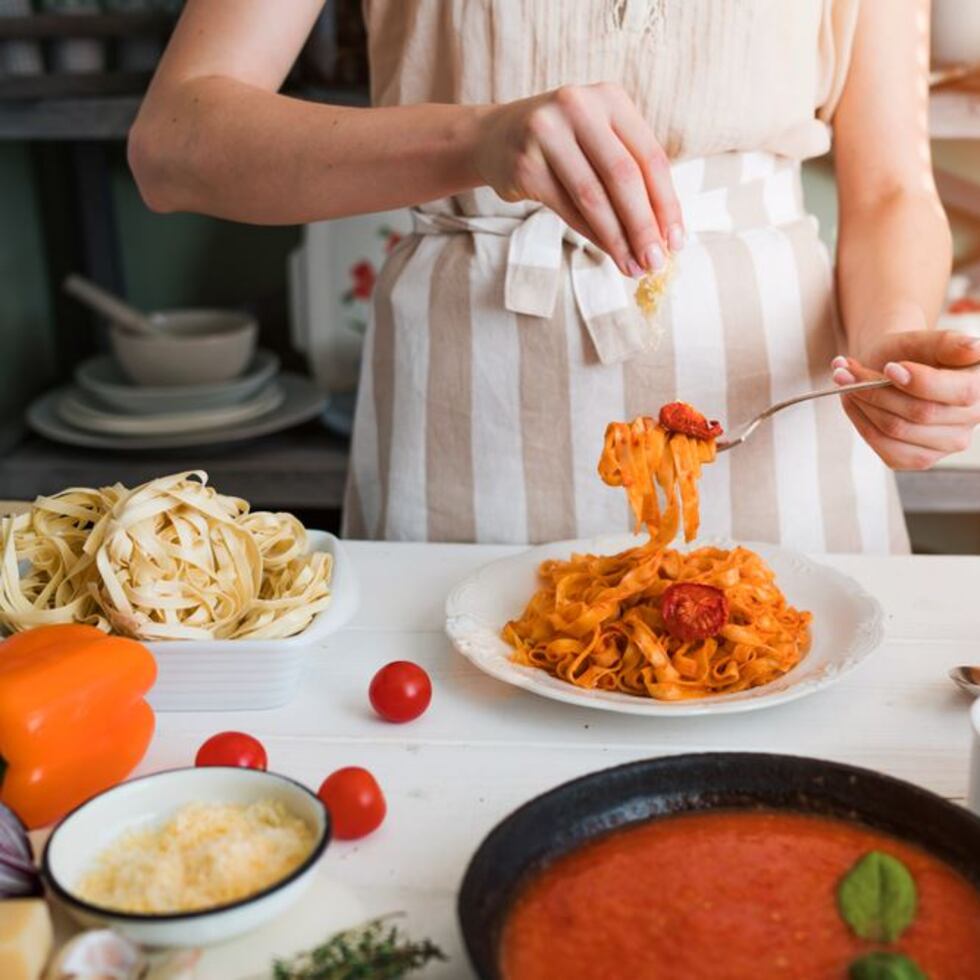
{"x": 692, "y": 611}
{"x": 681, "y": 417}
{"x": 232, "y": 749}
{"x": 355, "y": 801}
{"x": 965, "y": 304}
{"x": 400, "y": 691}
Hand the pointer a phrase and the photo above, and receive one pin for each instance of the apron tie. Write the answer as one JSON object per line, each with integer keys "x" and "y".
{"x": 604, "y": 297}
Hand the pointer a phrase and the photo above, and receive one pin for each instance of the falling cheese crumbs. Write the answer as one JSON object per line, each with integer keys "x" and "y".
{"x": 651, "y": 288}
{"x": 206, "y": 854}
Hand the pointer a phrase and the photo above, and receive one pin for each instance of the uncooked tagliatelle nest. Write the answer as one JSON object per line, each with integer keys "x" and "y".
{"x": 171, "y": 560}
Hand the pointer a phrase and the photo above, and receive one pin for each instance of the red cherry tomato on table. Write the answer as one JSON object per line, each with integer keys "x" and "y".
{"x": 232, "y": 749}
{"x": 400, "y": 691}
{"x": 355, "y": 801}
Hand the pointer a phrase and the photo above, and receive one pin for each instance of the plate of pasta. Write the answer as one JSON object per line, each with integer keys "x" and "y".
{"x": 627, "y": 625}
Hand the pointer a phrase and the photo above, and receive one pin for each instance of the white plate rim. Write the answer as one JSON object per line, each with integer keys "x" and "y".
{"x": 74, "y": 411}
{"x": 262, "y": 368}
{"x": 303, "y": 402}
{"x": 480, "y": 643}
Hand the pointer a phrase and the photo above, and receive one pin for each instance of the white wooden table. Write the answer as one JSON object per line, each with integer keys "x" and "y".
{"x": 484, "y": 747}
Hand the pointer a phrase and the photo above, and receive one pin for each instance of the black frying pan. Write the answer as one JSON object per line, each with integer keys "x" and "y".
{"x": 575, "y": 812}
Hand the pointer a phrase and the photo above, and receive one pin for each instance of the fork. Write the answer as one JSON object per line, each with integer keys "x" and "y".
{"x": 722, "y": 444}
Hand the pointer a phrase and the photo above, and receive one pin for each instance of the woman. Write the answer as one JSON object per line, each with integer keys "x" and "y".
{"x": 556, "y": 151}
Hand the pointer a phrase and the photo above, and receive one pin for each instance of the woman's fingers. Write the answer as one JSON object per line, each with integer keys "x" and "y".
{"x": 956, "y": 386}
{"x": 589, "y": 196}
{"x": 898, "y": 455}
{"x": 896, "y": 402}
{"x": 551, "y": 193}
{"x": 626, "y": 187}
{"x": 931, "y": 408}
{"x": 590, "y": 141}
{"x": 638, "y": 138}
{"x": 943, "y": 438}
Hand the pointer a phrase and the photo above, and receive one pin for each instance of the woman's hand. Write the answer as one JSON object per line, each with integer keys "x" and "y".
{"x": 934, "y": 403}
{"x": 588, "y": 154}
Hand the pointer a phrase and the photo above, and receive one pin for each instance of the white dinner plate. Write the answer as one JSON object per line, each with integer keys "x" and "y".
{"x": 847, "y": 627}
{"x": 303, "y": 401}
{"x": 102, "y": 378}
{"x": 76, "y": 409}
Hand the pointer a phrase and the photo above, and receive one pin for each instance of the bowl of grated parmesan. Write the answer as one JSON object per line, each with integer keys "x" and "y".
{"x": 188, "y": 857}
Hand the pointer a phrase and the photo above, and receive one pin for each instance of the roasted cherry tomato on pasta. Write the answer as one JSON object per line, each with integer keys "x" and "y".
{"x": 355, "y": 801}
{"x": 692, "y": 611}
{"x": 400, "y": 691}
{"x": 681, "y": 417}
{"x": 232, "y": 749}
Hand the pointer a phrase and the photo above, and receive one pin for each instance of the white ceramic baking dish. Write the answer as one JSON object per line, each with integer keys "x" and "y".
{"x": 240, "y": 675}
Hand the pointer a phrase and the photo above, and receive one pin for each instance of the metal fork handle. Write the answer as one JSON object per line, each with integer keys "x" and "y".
{"x": 724, "y": 444}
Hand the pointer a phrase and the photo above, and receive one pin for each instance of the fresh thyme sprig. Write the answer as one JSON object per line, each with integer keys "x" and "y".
{"x": 376, "y": 950}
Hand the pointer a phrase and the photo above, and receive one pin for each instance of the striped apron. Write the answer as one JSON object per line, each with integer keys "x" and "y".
{"x": 476, "y": 422}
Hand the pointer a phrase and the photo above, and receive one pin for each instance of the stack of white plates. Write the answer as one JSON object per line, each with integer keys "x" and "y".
{"x": 104, "y": 409}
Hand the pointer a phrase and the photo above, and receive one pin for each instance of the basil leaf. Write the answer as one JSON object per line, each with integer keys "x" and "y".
{"x": 885, "y": 966}
{"x": 877, "y": 897}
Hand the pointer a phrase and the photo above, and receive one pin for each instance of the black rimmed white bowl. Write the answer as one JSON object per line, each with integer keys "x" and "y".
{"x": 150, "y": 800}
{"x": 576, "y": 812}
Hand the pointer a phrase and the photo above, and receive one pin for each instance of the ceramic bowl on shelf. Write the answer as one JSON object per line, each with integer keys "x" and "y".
{"x": 190, "y": 347}
{"x": 151, "y": 800}
{"x": 102, "y": 378}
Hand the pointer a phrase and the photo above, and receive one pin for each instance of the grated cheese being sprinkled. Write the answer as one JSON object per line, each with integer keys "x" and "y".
{"x": 206, "y": 854}
{"x": 651, "y": 288}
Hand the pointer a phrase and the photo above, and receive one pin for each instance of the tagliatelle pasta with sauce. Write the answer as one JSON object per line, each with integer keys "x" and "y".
{"x": 652, "y": 621}
{"x": 171, "y": 559}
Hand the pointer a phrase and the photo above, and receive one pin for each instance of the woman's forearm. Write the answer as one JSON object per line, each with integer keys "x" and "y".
{"x": 893, "y": 262}
{"x": 223, "y": 147}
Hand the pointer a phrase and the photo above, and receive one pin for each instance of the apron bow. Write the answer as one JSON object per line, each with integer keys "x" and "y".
{"x": 603, "y": 295}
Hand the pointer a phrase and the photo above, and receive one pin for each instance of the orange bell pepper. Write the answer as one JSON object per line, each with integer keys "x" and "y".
{"x": 73, "y": 721}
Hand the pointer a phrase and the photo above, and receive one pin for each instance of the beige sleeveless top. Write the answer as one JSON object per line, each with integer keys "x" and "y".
{"x": 719, "y": 75}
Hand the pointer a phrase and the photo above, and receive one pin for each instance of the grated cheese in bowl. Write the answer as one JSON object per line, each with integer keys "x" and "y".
{"x": 205, "y": 855}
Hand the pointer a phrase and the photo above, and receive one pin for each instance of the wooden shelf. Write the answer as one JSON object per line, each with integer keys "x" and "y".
{"x": 38, "y": 90}
{"x": 44, "y": 26}
{"x": 68, "y": 119}
{"x": 300, "y": 468}
{"x": 940, "y": 491}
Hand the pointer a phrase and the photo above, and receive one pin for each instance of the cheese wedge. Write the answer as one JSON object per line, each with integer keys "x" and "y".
{"x": 25, "y": 938}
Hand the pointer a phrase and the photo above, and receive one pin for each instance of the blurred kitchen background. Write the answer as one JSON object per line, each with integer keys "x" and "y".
{"x": 71, "y": 75}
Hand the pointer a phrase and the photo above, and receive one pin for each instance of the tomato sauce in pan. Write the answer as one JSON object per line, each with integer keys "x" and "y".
{"x": 727, "y": 895}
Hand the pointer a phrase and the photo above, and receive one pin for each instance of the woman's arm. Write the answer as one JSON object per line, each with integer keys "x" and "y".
{"x": 215, "y": 136}
{"x": 894, "y": 250}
